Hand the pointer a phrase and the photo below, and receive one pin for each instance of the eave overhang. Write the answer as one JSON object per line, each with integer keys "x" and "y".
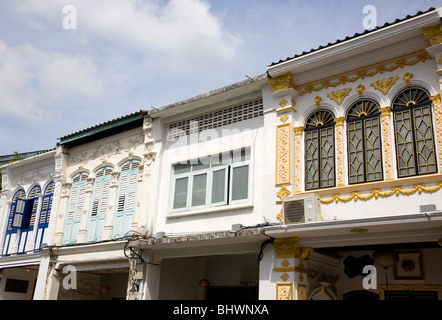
{"x": 407, "y": 228}
{"x": 376, "y": 46}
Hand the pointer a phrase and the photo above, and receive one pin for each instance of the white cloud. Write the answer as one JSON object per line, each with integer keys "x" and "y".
{"x": 33, "y": 81}
{"x": 173, "y": 28}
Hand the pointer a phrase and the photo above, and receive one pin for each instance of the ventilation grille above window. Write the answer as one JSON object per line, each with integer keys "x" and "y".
{"x": 216, "y": 119}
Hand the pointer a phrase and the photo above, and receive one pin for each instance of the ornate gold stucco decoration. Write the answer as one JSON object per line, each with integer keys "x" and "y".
{"x": 289, "y": 248}
{"x": 359, "y": 230}
{"x": 359, "y": 89}
{"x": 283, "y": 102}
{"x": 407, "y": 77}
{"x": 433, "y": 34}
{"x": 318, "y": 100}
{"x": 284, "y": 291}
{"x": 384, "y": 85}
{"x": 283, "y": 150}
{"x": 421, "y": 56}
{"x": 378, "y": 193}
{"x": 284, "y": 118}
{"x": 281, "y": 83}
{"x": 283, "y": 192}
{"x": 339, "y": 96}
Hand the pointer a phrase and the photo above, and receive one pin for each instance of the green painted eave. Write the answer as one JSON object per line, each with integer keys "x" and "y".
{"x": 102, "y": 128}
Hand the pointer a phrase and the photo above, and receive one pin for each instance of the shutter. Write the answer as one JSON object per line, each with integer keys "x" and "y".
{"x": 105, "y": 197}
{"x": 19, "y": 214}
{"x": 131, "y": 196}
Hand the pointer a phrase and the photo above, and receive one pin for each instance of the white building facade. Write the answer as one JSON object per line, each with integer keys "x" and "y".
{"x": 358, "y": 167}
{"x": 29, "y": 192}
{"x": 320, "y": 179}
{"x": 105, "y": 174}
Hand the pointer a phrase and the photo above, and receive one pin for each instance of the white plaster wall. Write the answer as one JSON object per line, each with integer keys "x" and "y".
{"x": 250, "y": 133}
{"x": 26, "y": 274}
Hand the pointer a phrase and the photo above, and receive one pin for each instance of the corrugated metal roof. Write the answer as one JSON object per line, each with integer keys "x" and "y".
{"x": 352, "y": 37}
{"x": 103, "y": 127}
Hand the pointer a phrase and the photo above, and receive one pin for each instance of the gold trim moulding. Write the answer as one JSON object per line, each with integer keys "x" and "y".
{"x": 404, "y": 186}
{"x": 362, "y": 73}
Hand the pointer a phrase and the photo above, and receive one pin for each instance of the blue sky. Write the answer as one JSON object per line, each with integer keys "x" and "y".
{"x": 127, "y": 55}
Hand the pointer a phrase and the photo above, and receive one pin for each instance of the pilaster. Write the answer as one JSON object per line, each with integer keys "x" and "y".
{"x": 290, "y": 266}
{"x": 386, "y": 145}
{"x": 340, "y": 151}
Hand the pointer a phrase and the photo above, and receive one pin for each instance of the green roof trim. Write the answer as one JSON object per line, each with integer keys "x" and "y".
{"x": 90, "y": 132}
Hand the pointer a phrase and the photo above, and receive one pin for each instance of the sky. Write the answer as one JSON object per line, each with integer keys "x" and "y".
{"x": 67, "y": 65}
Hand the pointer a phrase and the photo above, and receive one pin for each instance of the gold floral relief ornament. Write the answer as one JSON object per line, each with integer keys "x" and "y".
{"x": 359, "y": 89}
{"x": 339, "y": 96}
{"x": 281, "y": 83}
{"x": 378, "y": 193}
{"x": 407, "y": 77}
{"x": 283, "y": 192}
{"x": 433, "y": 34}
{"x": 318, "y": 100}
{"x": 385, "y": 85}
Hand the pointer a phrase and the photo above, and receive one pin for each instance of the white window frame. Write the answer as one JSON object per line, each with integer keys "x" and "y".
{"x": 227, "y": 199}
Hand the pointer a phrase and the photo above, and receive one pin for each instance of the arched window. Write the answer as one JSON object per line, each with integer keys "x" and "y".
{"x": 10, "y": 230}
{"x": 33, "y": 202}
{"x": 364, "y": 142}
{"x": 126, "y": 197}
{"x": 320, "y": 150}
{"x": 75, "y": 207}
{"x": 413, "y": 125}
{"x": 100, "y": 203}
{"x": 45, "y": 214}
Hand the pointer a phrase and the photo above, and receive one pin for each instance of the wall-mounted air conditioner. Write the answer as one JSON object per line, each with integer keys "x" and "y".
{"x": 301, "y": 209}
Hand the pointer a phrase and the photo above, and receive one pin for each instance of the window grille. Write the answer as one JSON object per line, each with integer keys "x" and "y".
{"x": 413, "y": 124}
{"x": 216, "y": 119}
{"x": 364, "y": 142}
{"x": 319, "y": 150}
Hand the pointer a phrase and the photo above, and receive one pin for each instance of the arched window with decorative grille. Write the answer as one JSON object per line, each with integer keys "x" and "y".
{"x": 75, "y": 208}
{"x": 126, "y": 198}
{"x": 414, "y": 134}
{"x": 364, "y": 142}
{"x": 320, "y": 150}
{"x": 100, "y": 204}
{"x": 11, "y": 232}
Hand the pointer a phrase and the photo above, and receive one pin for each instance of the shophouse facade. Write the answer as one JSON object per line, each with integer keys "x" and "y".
{"x": 358, "y": 167}
{"x": 30, "y": 189}
{"x": 282, "y": 186}
{"x": 104, "y": 194}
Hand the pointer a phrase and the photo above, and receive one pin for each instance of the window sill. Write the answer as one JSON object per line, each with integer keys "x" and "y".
{"x": 223, "y": 208}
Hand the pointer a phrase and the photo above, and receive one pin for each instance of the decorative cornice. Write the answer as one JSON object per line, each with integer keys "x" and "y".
{"x": 385, "y": 85}
{"x": 433, "y": 34}
{"x": 339, "y": 96}
{"x": 281, "y": 83}
{"x": 363, "y": 73}
{"x": 378, "y": 193}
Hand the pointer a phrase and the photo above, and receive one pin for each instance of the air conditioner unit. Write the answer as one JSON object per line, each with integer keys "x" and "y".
{"x": 301, "y": 209}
